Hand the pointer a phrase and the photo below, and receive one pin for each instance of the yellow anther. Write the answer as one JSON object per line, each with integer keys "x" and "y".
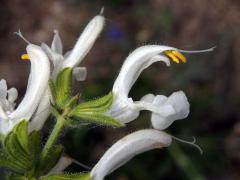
{"x": 171, "y": 56}
{"x": 25, "y": 57}
{"x": 179, "y": 56}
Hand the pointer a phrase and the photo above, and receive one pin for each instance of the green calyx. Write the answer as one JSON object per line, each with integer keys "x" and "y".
{"x": 76, "y": 113}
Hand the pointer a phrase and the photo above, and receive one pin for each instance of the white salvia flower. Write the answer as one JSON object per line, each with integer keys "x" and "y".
{"x": 125, "y": 109}
{"x": 37, "y": 84}
{"x": 128, "y": 147}
{"x": 165, "y": 110}
{"x": 71, "y": 59}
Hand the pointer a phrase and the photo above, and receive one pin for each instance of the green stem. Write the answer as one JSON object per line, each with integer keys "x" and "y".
{"x": 54, "y": 135}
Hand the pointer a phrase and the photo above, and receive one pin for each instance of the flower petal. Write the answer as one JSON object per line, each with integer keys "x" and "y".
{"x": 57, "y": 43}
{"x": 55, "y": 58}
{"x": 85, "y": 42}
{"x": 37, "y": 83}
{"x": 6, "y": 125}
{"x": 42, "y": 113}
{"x": 80, "y": 73}
{"x": 128, "y": 147}
{"x": 3, "y": 89}
{"x": 12, "y": 95}
{"x": 178, "y": 101}
{"x": 3, "y": 114}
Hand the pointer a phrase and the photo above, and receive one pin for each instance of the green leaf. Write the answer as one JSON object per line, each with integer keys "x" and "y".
{"x": 16, "y": 146}
{"x": 65, "y": 176}
{"x": 51, "y": 159}
{"x": 63, "y": 87}
{"x": 35, "y": 145}
{"x": 97, "y": 118}
{"x": 15, "y": 152}
{"x": 99, "y": 105}
{"x": 7, "y": 162}
{"x": 21, "y": 132}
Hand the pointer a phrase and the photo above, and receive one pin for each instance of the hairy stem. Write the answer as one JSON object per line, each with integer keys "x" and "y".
{"x": 55, "y": 133}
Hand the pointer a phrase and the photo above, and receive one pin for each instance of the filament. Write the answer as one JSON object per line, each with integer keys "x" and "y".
{"x": 190, "y": 143}
{"x": 198, "y": 51}
{"x": 81, "y": 164}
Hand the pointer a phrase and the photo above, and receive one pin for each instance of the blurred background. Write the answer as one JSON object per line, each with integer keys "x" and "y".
{"x": 210, "y": 80}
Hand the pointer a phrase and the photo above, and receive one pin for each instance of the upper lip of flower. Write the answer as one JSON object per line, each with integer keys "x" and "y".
{"x": 37, "y": 84}
{"x": 128, "y": 147}
{"x": 135, "y": 63}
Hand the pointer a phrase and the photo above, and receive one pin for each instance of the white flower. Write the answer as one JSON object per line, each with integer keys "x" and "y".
{"x": 128, "y": 147}
{"x": 37, "y": 84}
{"x": 165, "y": 110}
{"x": 71, "y": 59}
{"x": 75, "y": 56}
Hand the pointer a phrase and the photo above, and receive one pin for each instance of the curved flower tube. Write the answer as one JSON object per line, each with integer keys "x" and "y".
{"x": 71, "y": 59}
{"x": 37, "y": 84}
{"x": 128, "y": 147}
{"x": 125, "y": 109}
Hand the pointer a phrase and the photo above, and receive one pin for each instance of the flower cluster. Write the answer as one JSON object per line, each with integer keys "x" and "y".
{"x": 117, "y": 108}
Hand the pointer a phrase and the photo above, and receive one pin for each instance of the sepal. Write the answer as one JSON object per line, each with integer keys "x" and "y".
{"x": 94, "y": 112}
{"x": 98, "y": 105}
{"x": 61, "y": 90}
{"x": 96, "y": 118}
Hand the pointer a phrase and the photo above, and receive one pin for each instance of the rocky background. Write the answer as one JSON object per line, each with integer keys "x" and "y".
{"x": 210, "y": 80}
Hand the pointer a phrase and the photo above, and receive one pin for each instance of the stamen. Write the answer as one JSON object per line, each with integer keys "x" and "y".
{"x": 81, "y": 164}
{"x": 198, "y": 51}
{"x": 179, "y": 56}
{"x": 172, "y": 56}
{"x": 25, "y": 57}
{"x": 190, "y": 142}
